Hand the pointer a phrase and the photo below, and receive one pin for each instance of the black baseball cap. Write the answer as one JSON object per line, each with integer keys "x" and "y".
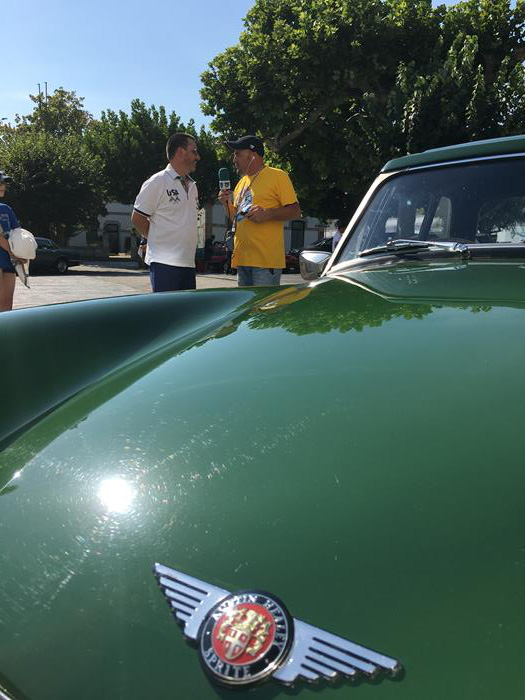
{"x": 4, "y": 177}
{"x": 252, "y": 143}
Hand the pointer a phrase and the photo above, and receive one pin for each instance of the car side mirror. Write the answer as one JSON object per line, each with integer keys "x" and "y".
{"x": 312, "y": 263}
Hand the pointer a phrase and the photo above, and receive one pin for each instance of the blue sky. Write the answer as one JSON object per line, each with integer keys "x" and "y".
{"x": 110, "y": 52}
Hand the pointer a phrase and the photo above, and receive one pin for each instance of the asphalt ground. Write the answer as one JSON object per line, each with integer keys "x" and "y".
{"x": 98, "y": 281}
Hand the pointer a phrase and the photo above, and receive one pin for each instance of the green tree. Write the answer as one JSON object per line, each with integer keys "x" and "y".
{"x": 62, "y": 114}
{"x": 336, "y": 87}
{"x": 133, "y": 147}
{"x": 474, "y": 86}
{"x": 209, "y": 164}
{"x": 57, "y": 186}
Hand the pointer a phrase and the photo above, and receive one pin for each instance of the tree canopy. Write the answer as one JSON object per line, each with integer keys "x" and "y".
{"x": 133, "y": 147}
{"x": 56, "y": 185}
{"x": 337, "y": 87}
{"x": 66, "y": 165}
{"x": 61, "y": 114}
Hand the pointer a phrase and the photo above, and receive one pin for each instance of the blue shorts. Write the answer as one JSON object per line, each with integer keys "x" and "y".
{"x": 249, "y": 276}
{"x": 168, "y": 278}
{"x": 5, "y": 262}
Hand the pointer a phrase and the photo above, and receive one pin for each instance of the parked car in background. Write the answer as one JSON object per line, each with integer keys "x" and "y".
{"x": 51, "y": 258}
{"x": 292, "y": 260}
{"x": 218, "y": 257}
{"x": 315, "y": 483}
{"x": 292, "y": 256}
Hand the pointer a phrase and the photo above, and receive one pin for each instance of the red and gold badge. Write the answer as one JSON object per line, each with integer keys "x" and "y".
{"x": 243, "y": 633}
{"x": 245, "y": 638}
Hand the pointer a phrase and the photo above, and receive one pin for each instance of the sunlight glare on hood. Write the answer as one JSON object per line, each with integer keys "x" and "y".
{"x": 116, "y": 494}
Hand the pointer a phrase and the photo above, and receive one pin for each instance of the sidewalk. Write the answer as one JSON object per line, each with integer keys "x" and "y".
{"x": 99, "y": 280}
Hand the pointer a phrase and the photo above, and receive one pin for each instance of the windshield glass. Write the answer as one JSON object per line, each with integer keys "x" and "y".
{"x": 481, "y": 203}
{"x": 45, "y": 243}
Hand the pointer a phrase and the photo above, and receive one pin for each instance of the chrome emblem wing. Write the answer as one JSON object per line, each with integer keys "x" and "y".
{"x": 318, "y": 654}
{"x": 190, "y": 598}
{"x": 302, "y": 651}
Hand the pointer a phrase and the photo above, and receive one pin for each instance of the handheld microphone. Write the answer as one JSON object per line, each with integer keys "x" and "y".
{"x": 224, "y": 179}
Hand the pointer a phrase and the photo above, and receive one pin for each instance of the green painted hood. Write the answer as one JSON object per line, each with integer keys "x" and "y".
{"x": 354, "y": 446}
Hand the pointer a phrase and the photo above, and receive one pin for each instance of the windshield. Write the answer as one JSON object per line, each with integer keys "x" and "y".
{"x": 481, "y": 203}
{"x": 46, "y": 243}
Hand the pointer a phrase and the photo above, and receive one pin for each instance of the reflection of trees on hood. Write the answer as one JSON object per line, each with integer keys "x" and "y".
{"x": 332, "y": 306}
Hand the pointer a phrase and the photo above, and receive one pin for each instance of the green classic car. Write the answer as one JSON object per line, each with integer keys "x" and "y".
{"x": 315, "y": 491}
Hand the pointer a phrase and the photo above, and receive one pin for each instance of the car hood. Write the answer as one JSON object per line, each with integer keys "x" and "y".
{"x": 356, "y": 455}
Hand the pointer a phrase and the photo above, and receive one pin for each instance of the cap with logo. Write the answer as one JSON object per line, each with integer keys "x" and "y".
{"x": 251, "y": 143}
{"x": 4, "y": 177}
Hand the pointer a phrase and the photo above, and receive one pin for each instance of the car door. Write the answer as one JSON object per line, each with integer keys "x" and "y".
{"x": 45, "y": 254}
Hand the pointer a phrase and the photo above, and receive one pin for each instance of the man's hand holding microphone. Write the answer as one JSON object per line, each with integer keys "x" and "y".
{"x": 255, "y": 213}
{"x": 224, "y": 187}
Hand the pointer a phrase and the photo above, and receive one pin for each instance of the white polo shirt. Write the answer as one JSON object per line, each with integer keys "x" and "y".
{"x": 172, "y": 212}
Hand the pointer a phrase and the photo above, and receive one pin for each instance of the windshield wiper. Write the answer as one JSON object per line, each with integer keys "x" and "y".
{"x": 400, "y": 245}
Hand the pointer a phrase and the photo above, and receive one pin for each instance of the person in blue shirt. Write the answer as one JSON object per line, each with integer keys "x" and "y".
{"x": 8, "y": 221}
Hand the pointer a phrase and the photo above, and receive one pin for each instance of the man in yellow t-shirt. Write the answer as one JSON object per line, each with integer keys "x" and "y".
{"x": 262, "y": 201}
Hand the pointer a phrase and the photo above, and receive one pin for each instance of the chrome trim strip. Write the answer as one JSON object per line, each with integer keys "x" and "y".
{"x": 382, "y": 177}
{"x": 181, "y": 615}
{"x": 179, "y": 604}
{"x": 3, "y": 696}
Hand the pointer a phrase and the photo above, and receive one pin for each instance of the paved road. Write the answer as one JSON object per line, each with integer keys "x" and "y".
{"x": 99, "y": 281}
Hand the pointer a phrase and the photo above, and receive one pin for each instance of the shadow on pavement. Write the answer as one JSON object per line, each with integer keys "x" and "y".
{"x": 106, "y": 272}
{"x": 112, "y": 272}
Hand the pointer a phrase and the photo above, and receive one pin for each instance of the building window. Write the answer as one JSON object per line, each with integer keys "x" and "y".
{"x": 297, "y": 234}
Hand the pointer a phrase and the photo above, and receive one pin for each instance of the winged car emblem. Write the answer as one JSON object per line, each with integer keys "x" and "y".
{"x": 247, "y": 637}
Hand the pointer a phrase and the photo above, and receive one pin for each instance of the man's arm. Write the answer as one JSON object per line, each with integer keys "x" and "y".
{"x": 289, "y": 211}
{"x": 140, "y": 222}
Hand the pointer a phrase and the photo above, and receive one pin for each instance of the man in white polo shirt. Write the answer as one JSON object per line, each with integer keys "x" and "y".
{"x": 165, "y": 212}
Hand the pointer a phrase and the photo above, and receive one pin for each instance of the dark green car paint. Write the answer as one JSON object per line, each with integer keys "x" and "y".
{"x": 354, "y": 446}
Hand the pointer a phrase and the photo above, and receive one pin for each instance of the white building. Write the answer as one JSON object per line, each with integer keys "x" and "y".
{"x": 116, "y": 234}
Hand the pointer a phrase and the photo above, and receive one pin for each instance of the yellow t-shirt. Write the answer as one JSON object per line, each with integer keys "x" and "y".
{"x": 261, "y": 245}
